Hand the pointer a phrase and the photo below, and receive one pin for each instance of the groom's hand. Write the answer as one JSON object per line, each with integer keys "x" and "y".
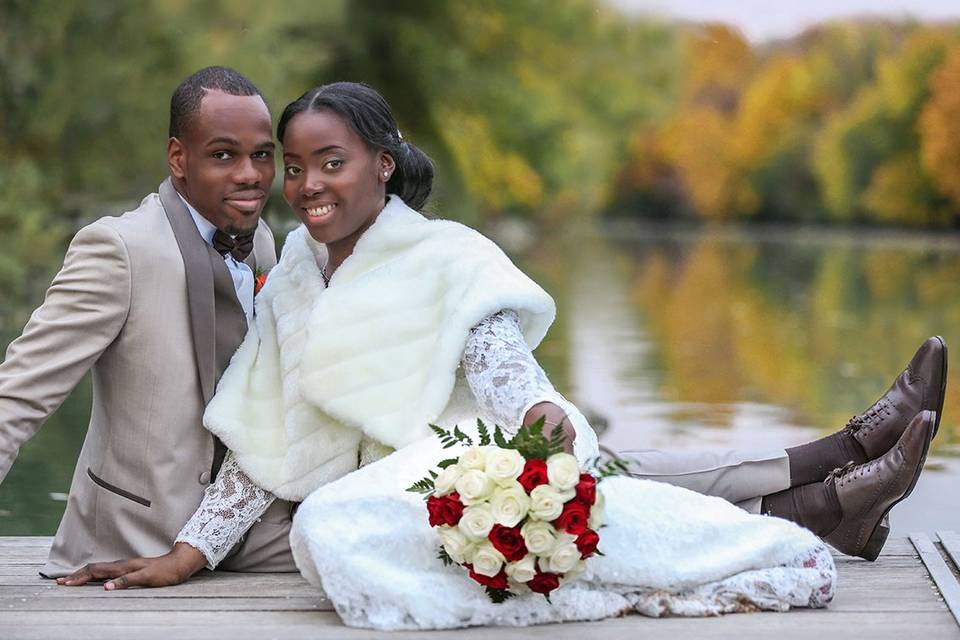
{"x": 172, "y": 568}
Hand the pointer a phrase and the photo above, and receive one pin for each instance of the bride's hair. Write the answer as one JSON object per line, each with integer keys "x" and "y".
{"x": 366, "y": 111}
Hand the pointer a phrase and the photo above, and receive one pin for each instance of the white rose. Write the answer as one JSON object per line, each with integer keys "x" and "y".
{"x": 455, "y": 543}
{"x": 596, "y": 512}
{"x": 504, "y": 466}
{"x": 487, "y": 561}
{"x": 446, "y": 480}
{"x": 565, "y": 538}
{"x": 474, "y": 486}
{"x": 522, "y": 570}
{"x": 564, "y": 558}
{"x": 473, "y": 458}
{"x": 476, "y": 522}
{"x": 575, "y": 573}
{"x": 563, "y": 471}
{"x": 546, "y": 503}
{"x": 510, "y": 505}
{"x": 540, "y": 537}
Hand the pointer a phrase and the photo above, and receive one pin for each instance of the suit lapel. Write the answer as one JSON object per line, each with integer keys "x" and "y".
{"x": 209, "y": 292}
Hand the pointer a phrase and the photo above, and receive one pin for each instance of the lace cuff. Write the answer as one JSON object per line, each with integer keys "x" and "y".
{"x": 501, "y": 371}
{"x": 230, "y": 506}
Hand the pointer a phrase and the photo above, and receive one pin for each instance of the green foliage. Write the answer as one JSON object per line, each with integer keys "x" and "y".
{"x": 424, "y": 486}
{"x": 444, "y": 557}
{"x": 606, "y": 468}
{"x": 484, "y": 433}
{"x": 450, "y": 439}
{"x": 499, "y": 439}
{"x": 532, "y": 444}
{"x": 498, "y": 596}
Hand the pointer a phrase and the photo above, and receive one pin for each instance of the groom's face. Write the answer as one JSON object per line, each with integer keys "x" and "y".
{"x": 224, "y": 162}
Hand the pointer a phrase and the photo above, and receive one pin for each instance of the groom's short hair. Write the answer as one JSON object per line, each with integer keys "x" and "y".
{"x": 185, "y": 101}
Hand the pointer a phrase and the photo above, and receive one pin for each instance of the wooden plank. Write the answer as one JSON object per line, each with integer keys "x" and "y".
{"x": 951, "y": 544}
{"x": 887, "y": 599}
{"x": 939, "y": 571}
{"x": 138, "y": 605}
{"x": 220, "y": 589}
{"x": 26, "y": 541}
{"x": 241, "y": 625}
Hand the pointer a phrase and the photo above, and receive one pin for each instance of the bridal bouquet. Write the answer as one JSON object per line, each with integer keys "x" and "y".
{"x": 519, "y": 515}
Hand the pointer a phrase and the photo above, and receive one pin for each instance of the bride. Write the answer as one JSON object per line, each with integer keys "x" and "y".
{"x": 378, "y": 321}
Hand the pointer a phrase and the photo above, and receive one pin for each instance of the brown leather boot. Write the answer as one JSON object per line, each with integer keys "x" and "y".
{"x": 868, "y": 491}
{"x": 920, "y": 387}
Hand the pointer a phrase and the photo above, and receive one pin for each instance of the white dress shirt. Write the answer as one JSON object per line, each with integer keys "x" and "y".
{"x": 240, "y": 272}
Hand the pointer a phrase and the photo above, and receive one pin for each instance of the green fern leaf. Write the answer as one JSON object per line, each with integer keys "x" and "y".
{"x": 484, "y": 433}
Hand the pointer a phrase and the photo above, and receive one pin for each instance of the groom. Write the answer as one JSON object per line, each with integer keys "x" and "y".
{"x": 154, "y": 302}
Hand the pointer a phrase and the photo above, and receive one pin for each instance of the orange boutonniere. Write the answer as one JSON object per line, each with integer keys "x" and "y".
{"x": 259, "y": 279}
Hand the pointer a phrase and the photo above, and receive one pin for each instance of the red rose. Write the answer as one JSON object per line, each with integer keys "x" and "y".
{"x": 573, "y": 518}
{"x": 587, "y": 543}
{"x": 445, "y": 510}
{"x": 498, "y": 581}
{"x": 544, "y": 582}
{"x": 508, "y": 541}
{"x": 534, "y": 474}
{"x": 587, "y": 489}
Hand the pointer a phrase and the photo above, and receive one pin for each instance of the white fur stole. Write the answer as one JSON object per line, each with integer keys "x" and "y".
{"x": 374, "y": 354}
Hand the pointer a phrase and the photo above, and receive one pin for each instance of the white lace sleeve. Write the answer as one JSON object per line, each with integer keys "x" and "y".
{"x": 230, "y": 506}
{"x": 502, "y": 373}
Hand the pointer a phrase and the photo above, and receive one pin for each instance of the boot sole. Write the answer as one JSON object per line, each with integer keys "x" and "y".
{"x": 943, "y": 386}
{"x": 878, "y": 537}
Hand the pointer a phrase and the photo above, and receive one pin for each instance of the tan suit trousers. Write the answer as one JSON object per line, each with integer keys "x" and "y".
{"x": 740, "y": 477}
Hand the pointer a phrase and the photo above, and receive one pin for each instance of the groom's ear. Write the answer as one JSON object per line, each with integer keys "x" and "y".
{"x": 176, "y": 158}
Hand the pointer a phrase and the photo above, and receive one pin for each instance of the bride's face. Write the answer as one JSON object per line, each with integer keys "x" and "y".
{"x": 333, "y": 181}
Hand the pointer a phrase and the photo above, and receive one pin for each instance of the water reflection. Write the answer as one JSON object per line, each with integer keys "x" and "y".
{"x": 706, "y": 338}
{"x": 687, "y": 339}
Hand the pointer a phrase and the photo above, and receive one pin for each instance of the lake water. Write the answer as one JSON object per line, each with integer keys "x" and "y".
{"x": 690, "y": 338}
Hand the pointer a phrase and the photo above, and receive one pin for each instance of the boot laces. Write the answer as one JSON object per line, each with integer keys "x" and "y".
{"x": 839, "y": 472}
{"x": 871, "y": 417}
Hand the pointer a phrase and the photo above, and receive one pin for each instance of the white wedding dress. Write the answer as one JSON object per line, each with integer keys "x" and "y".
{"x": 428, "y": 321}
{"x": 366, "y": 542}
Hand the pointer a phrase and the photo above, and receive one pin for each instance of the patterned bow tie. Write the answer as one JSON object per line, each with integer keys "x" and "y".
{"x": 239, "y": 247}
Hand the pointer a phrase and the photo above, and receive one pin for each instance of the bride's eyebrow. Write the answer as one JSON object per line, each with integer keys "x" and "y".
{"x": 318, "y": 152}
{"x": 329, "y": 147}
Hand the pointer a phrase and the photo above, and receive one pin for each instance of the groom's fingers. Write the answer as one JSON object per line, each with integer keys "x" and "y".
{"x": 135, "y": 579}
{"x": 144, "y": 576}
{"x": 100, "y": 571}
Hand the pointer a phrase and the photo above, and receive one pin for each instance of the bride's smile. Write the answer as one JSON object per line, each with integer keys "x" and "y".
{"x": 333, "y": 180}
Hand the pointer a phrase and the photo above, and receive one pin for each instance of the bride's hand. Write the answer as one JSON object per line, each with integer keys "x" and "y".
{"x": 172, "y": 568}
{"x": 554, "y": 418}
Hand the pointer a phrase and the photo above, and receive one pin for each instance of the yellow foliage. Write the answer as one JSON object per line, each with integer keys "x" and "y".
{"x": 719, "y": 61}
{"x": 698, "y": 142}
{"x": 898, "y": 192}
{"x": 939, "y": 128}
{"x": 498, "y": 178}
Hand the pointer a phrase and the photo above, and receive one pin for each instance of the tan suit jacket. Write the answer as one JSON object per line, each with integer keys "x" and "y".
{"x": 150, "y": 308}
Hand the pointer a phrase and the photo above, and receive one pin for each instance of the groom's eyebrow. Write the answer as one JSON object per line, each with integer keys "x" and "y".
{"x": 223, "y": 140}
{"x": 266, "y": 144}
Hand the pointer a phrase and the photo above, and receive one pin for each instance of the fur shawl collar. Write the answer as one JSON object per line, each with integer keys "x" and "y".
{"x": 375, "y": 354}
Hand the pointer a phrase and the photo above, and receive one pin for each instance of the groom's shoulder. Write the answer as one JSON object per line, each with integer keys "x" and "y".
{"x": 142, "y": 225}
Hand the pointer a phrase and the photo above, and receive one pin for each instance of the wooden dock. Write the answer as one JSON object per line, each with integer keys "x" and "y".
{"x": 894, "y": 597}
